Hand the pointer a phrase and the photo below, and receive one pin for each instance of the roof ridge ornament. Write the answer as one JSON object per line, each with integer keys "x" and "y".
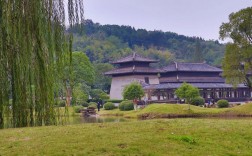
{"x": 134, "y": 55}
{"x": 176, "y": 65}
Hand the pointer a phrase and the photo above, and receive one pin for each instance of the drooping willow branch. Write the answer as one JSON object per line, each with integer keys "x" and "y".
{"x": 34, "y": 55}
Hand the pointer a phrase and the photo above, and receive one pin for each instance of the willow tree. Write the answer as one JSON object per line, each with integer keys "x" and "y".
{"x": 34, "y": 50}
{"x": 237, "y": 62}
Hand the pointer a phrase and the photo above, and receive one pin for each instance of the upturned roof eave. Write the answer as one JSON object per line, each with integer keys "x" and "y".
{"x": 132, "y": 72}
{"x": 192, "y": 71}
{"x": 119, "y": 62}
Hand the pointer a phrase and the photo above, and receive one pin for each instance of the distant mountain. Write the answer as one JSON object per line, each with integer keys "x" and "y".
{"x": 103, "y": 43}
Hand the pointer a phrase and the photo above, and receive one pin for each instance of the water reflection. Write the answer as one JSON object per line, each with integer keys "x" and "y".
{"x": 79, "y": 120}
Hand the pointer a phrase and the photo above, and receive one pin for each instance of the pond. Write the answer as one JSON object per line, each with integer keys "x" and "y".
{"x": 99, "y": 119}
{"x": 72, "y": 120}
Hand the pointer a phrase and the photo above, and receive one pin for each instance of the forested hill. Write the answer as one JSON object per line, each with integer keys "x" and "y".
{"x": 104, "y": 43}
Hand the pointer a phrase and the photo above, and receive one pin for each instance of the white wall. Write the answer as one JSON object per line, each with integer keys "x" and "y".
{"x": 118, "y": 83}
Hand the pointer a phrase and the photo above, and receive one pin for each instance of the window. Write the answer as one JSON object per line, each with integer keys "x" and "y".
{"x": 146, "y": 80}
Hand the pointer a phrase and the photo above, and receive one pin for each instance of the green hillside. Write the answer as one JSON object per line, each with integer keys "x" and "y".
{"x": 104, "y": 43}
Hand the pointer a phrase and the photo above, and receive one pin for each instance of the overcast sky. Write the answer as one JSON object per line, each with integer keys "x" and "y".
{"x": 200, "y": 18}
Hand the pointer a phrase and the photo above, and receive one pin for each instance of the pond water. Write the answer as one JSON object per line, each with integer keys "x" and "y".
{"x": 72, "y": 120}
{"x": 99, "y": 119}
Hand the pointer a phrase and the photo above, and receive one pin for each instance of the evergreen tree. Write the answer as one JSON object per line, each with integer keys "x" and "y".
{"x": 198, "y": 57}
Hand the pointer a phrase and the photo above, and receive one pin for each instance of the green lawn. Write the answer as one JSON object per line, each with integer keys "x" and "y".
{"x": 181, "y": 109}
{"x": 182, "y": 137}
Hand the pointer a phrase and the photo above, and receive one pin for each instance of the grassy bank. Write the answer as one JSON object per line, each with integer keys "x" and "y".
{"x": 188, "y": 137}
{"x": 163, "y": 110}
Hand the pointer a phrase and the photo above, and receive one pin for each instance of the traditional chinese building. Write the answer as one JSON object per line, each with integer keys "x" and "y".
{"x": 160, "y": 84}
{"x": 131, "y": 68}
{"x": 201, "y": 75}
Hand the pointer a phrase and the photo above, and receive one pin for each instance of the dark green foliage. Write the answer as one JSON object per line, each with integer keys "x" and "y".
{"x": 92, "y": 104}
{"x": 109, "y": 106}
{"x": 133, "y": 91}
{"x": 198, "y": 101}
{"x": 198, "y": 56}
{"x": 84, "y": 104}
{"x": 102, "y": 81}
{"x": 78, "y": 109}
{"x": 83, "y": 70}
{"x": 97, "y": 94}
{"x": 62, "y": 103}
{"x": 114, "y": 100}
{"x": 222, "y": 103}
{"x": 126, "y": 106}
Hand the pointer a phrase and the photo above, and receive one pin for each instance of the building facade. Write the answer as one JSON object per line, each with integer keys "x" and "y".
{"x": 206, "y": 78}
{"x": 160, "y": 84}
{"x": 131, "y": 68}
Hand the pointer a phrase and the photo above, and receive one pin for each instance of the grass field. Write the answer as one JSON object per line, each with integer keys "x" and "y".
{"x": 175, "y": 137}
{"x": 159, "y": 110}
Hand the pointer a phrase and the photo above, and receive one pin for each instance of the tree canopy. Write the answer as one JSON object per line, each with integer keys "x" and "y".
{"x": 237, "y": 62}
{"x": 102, "y": 81}
{"x": 83, "y": 70}
{"x": 133, "y": 91}
{"x": 187, "y": 91}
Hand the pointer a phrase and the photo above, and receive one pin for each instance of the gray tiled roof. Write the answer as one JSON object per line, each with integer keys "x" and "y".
{"x": 178, "y": 66}
{"x": 198, "y": 85}
{"x": 133, "y": 69}
{"x": 134, "y": 57}
{"x": 192, "y": 79}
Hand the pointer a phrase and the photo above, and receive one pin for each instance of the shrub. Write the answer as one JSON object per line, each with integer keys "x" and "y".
{"x": 198, "y": 101}
{"x": 84, "y": 104}
{"x": 109, "y": 106}
{"x": 77, "y": 109}
{"x": 92, "y": 104}
{"x": 222, "y": 103}
{"x": 126, "y": 106}
{"x": 114, "y": 100}
{"x": 62, "y": 103}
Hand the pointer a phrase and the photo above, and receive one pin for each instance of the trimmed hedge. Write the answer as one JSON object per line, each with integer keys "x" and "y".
{"x": 109, "y": 106}
{"x": 198, "y": 101}
{"x": 92, "y": 104}
{"x": 84, "y": 104}
{"x": 222, "y": 103}
{"x": 114, "y": 100}
{"x": 126, "y": 106}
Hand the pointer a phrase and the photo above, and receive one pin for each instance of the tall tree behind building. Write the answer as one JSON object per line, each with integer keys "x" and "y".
{"x": 198, "y": 56}
{"x": 237, "y": 62}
